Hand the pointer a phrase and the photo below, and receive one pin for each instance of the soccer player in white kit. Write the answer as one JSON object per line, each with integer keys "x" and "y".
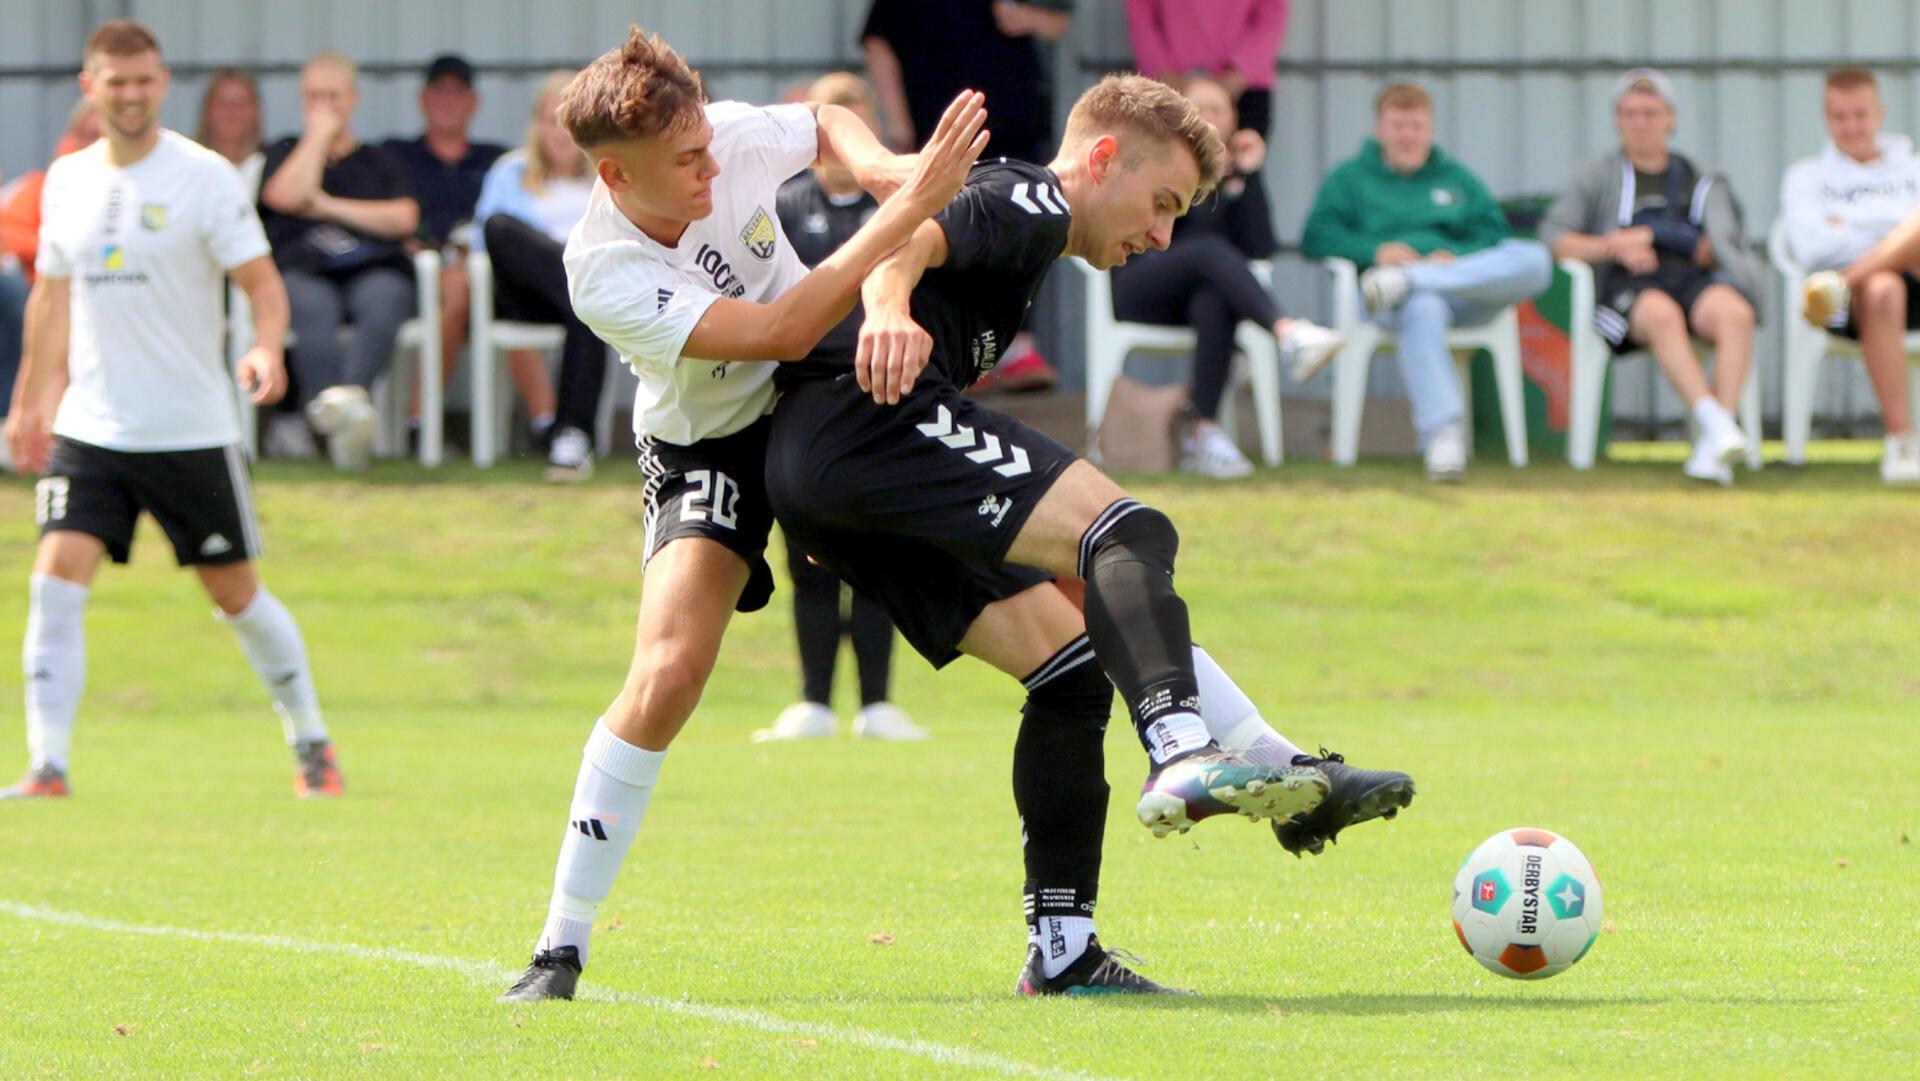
{"x": 123, "y": 400}
{"x": 681, "y": 264}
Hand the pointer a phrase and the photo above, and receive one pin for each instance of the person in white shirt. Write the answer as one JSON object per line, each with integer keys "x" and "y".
{"x": 681, "y": 264}
{"x": 1836, "y": 208}
{"x": 531, "y": 199}
{"x": 124, "y": 401}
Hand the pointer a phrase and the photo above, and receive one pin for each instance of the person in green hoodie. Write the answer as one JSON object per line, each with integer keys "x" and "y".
{"x": 1433, "y": 251}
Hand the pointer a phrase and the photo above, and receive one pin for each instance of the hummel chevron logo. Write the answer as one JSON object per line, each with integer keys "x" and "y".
{"x": 1045, "y": 200}
{"x": 591, "y": 827}
{"x": 960, "y": 437}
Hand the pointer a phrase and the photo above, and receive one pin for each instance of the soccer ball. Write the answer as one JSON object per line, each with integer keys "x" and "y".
{"x": 1526, "y": 904}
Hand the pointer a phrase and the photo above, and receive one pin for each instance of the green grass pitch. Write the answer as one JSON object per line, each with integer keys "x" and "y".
{"x": 1713, "y": 693}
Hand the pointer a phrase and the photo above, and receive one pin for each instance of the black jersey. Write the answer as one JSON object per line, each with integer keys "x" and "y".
{"x": 1004, "y": 230}
{"x": 817, "y": 224}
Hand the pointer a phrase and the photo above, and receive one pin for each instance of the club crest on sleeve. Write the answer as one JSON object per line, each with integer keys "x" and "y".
{"x": 758, "y": 235}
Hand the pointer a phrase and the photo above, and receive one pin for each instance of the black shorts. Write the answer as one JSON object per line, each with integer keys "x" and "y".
{"x": 713, "y": 489}
{"x": 1851, "y": 329}
{"x": 914, "y": 505}
{"x": 1610, "y": 316}
{"x": 202, "y": 499}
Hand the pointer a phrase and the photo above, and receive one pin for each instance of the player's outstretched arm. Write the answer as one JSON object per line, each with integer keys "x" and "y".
{"x": 847, "y": 143}
{"x": 43, "y": 373}
{"x": 263, "y": 371}
{"x": 893, "y": 348}
{"x": 791, "y": 326}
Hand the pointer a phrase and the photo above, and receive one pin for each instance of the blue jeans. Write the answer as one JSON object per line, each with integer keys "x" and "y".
{"x": 13, "y": 310}
{"x": 1466, "y": 292}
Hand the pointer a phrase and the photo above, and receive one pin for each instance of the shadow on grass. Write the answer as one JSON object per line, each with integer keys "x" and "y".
{"x": 1548, "y": 477}
{"x": 1354, "y": 1004}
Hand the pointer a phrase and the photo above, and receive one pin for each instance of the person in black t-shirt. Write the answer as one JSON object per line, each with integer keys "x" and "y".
{"x": 819, "y": 210}
{"x": 956, "y": 519}
{"x": 447, "y": 169}
{"x": 337, "y": 213}
{"x": 1203, "y": 281}
{"x": 921, "y": 53}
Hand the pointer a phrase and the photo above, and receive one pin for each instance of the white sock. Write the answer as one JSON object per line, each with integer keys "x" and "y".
{"x": 53, "y": 661}
{"x": 1174, "y": 734}
{"x": 1713, "y": 417}
{"x": 1061, "y": 939}
{"x": 609, "y": 799}
{"x": 1233, "y": 720}
{"x": 271, "y": 641}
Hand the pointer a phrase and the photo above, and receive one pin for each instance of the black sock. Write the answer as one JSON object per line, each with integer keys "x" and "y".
{"x": 1138, "y": 625}
{"x": 872, "y": 634}
{"x": 1059, "y": 782}
{"x": 816, "y": 623}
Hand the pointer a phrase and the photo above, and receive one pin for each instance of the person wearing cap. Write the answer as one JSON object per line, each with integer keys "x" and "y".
{"x": 338, "y": 213}
{"x": 1434, "y": 252}
{"x": 1671, "y": 263}
{"x": 1836, "y": 207}
{"x": 448, "y": 169}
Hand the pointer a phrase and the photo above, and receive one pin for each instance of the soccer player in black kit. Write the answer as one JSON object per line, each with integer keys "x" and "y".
{"x": 956, "y": 519}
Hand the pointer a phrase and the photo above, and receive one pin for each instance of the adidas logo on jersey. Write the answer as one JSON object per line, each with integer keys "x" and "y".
{"x": 960, "y": 437}
{"x": 1046, "y": 199}
{"x": 215, "y": 545}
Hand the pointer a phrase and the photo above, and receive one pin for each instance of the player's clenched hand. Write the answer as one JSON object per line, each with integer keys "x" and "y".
{"x": 941, "y": 166}
{"x": 29, "y": 439}
{"x": 892, "y": 351}
{"x": 262, "y": 373}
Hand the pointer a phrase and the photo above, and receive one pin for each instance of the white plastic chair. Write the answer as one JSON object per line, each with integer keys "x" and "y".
{"x": 1499, "y": 336}
{"x": 492, "y": 405}
{"x": 420, "y": 334}
{"x": 1591, "y": 355}
{"x": 1808, "y": 345}
{"x": 1109, "y": 341}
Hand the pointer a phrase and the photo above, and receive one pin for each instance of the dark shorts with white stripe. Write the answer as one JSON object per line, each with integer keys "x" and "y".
{"x": 713, "y": 489}
{"x": 1683, "y": 282}
{"x": 202, "y": 499}
{"x": 914, "y": 505}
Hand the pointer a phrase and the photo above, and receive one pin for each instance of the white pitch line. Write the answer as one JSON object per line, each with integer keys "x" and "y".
{"x": 496, "y": 974}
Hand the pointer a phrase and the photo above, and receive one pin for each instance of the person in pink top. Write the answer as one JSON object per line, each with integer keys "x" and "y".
{"x": 1233, "y": 42}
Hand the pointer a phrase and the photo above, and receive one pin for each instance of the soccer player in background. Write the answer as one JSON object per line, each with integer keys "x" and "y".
{"x": 680, "y": 264}
{"x": 124, "y": 401}
{"x": 941, "y": 510}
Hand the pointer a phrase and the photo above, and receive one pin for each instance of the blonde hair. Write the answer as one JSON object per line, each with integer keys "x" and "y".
{"x": 1148, "y": 107}
{"x": 640, "y": 90}
{"x": 842, "y": 88}
{"x": 539, "y": 169}
{"x": 1403, "y": 96}
{"x": 336, "y": 60}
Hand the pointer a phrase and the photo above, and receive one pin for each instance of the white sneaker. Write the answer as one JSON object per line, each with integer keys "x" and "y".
{"x": 802, "y": 720}
{"x": 1208, "y": 452}
{"x": 884, "y": 720}
{"x": 1307, "y": 347}
{"x": 289, "y": 437}
{"x": 1446, "y": 455}
{"x": 1383, "y": 288}
{"x": 570, "y": 456}
{"x": 1823, "y": 298}
{"x": 1900, "y": 462}
{"x": 345, "y": 415}
{"x": 1707, "y": 463}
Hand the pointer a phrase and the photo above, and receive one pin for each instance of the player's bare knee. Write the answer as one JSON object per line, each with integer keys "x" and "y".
{"x": 1655, "y": 315}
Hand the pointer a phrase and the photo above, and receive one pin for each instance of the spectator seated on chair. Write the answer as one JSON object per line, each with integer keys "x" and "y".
{"x": 1671, "y": 260}
{"x": 528, "y": 205}
{"x": 230, "y": 124}
{"x": 1203, "y": 281}
{"x": 337, "y": 213}
{"x": 447, "y": 168}
{"x": 1836, "y": 208}
{"x": 1434, "y": 251}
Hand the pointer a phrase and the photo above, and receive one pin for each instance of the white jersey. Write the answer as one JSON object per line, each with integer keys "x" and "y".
{"x": 644, "y": 298}
{"x": 1835, "y": 208}
{"x": 147, "y": 249}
